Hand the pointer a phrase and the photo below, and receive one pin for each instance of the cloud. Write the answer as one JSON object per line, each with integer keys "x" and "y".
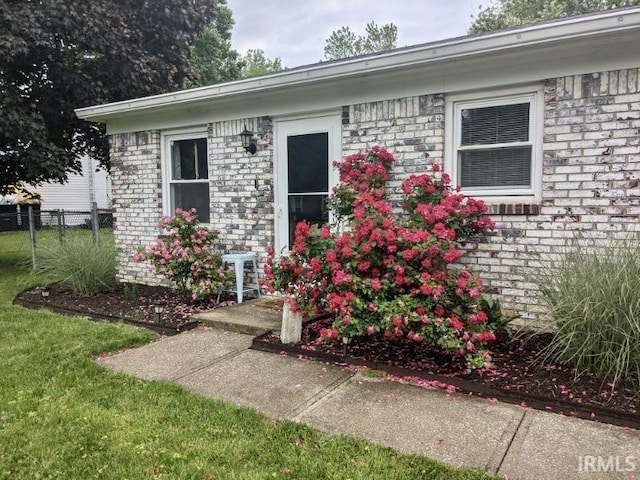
{"x": 296, "y": 31}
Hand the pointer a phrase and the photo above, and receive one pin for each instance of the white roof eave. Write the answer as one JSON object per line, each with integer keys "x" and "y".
{"x": 471, "y": 46}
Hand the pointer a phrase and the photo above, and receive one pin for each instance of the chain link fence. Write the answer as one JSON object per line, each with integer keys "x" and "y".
{"x": 33, "y": 219}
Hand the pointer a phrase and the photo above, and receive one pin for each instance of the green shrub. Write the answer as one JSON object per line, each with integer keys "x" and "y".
{"x": 87, "y": 268}
{"x": 592, "y": 297}
{"x": 496, "y": 320}
{"x": 130, "y": 290}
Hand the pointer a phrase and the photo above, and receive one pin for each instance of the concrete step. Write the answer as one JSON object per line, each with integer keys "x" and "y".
{"x": 253, "y": 317}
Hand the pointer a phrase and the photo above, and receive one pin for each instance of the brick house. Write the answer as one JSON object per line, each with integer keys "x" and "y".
{"x": 541, "y": 121}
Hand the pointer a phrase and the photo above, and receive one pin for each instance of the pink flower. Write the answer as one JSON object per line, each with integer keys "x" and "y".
{"x": 410, "y": 254}
{"x": 332, "y": 334}
{"x": 452, "y": 255}
{"x": 316, "y": 265}
{"x": 340, "y": 277}
{"x": 138, "y": 257}
{"x": 325, "y": 232}
{"x": 364, "y": 266}
{"x": 484, "y": 336}
{"x": 347, "y": 251}
{"x": 456, "y": 324}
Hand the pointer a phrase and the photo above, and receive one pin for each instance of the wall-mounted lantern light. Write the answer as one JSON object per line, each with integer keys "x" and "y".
{"x": 247, "y": 141}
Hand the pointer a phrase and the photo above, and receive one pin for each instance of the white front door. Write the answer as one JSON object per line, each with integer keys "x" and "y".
{"x": 304, "y": 176}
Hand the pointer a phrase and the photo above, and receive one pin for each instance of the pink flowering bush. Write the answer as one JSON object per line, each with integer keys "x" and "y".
{"x": 187, "y": 255}
{"x": 387, "y": 275}
{"x": 431, "y": 205}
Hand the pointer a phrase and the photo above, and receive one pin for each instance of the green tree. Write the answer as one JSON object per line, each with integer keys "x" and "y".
{"x": 212, "y": 58}
{"x": 255, "y": 63}
{"x": 343, "y": 43}
{"x": 62, "y": 54}
{"x": 510, "y": 13}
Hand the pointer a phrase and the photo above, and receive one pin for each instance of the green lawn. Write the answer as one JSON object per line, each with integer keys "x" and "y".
{"x": 63, "y": 416}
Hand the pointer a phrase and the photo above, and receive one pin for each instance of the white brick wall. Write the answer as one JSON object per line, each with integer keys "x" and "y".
{"x": 590, "y": 183}
{"x": 241, "y": 192}
{"x": 242, "y": 186}
{"x": 137, "y": 199}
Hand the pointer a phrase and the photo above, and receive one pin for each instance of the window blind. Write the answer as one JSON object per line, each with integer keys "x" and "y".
{"x": 496, "y": 124}
{"x": 500, "y": 167}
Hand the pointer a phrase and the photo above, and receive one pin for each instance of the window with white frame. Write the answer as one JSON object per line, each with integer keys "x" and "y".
{"x": 495, "y": 148}
{"x": 187, "y": 174}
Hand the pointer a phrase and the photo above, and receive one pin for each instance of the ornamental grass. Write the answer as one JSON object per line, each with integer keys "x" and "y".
{"x": 592, "y": 298}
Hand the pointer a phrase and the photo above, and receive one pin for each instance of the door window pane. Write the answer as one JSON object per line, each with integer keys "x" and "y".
{"x": 311, "y": 208}
{"x": 308, "y": 163}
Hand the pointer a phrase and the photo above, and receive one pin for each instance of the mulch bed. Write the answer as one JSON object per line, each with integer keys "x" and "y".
{"x": 518, "y": 376}
{"x": 134, "y": 306}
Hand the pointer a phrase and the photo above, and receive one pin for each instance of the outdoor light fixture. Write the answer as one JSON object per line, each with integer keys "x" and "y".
{"x": 345, "y": 343}
{"x": 44, "y": 291}
{"x": 247, "y": 137}
{"x": 158, "y": 309}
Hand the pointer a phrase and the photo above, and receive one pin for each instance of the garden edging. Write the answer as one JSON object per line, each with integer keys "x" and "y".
{"x": 599, "y": 414}
{"x": 101, "y": 317}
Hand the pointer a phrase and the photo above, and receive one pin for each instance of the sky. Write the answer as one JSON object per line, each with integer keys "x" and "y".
{"x": 296, "y": 31}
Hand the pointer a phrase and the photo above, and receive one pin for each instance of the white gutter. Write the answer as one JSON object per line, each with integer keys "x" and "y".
{"x": 476, "y": 45}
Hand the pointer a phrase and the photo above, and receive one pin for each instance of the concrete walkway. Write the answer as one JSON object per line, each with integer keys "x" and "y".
{"x": 502, "y": 439}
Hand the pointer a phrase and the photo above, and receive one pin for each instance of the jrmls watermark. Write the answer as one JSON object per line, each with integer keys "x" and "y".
{"x": 610, "y": 463}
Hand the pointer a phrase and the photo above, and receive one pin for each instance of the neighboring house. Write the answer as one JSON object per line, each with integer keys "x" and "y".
{"x": 76, "y": 197}
{"x": 541, "y": 121}
{"x": 80, "y": 190}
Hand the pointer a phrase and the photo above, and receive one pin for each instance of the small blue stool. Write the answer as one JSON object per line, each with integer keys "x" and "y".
{"x": 239, "y": 259}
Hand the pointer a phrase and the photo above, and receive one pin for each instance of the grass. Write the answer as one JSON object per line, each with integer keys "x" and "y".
{"x": 591, "y": 296}
{"x": 64, "y": 416}
{"x": 88, "y": 268}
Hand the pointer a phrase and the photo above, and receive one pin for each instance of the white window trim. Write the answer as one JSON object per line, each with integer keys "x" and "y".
{"x": 165, "y": 156}
{"x": 455, "y": 103}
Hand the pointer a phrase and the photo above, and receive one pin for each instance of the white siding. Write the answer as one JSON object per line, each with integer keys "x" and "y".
{"x": 76, "y": 194}
{"x": 102, "y": 188}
